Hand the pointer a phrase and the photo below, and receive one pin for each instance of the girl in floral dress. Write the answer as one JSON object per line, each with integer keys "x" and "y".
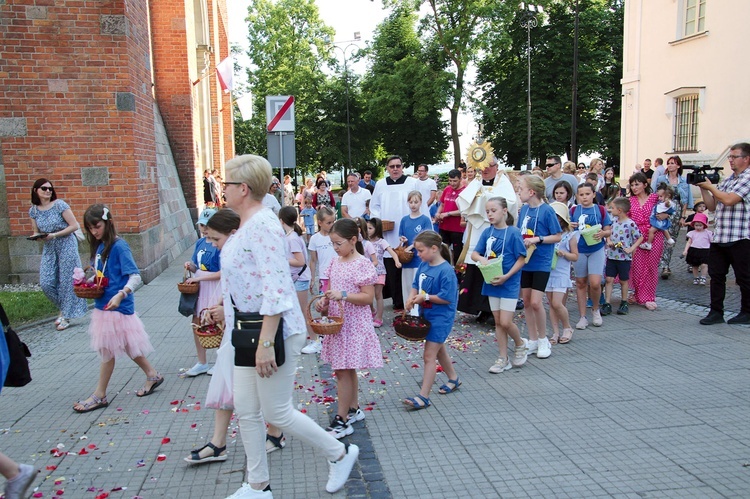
{"x": 352, "y": 289}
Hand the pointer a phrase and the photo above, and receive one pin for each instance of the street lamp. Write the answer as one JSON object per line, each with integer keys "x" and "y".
{"x": 528, "y": 21}
{"x": 343, "y": 50}
{"x": 574, "y": 104}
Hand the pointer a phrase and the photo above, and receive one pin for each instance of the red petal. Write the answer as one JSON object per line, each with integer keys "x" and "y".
{"x": 166, "y": 440}
{"x": 161, "y": 457}
{"x": 51, "y": 467}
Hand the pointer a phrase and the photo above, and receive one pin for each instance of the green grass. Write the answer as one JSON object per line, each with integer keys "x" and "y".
{"x": 26, "y": 306}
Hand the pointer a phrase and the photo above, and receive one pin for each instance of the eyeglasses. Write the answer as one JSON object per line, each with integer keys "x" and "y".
{"x": 492, "y": 165}
{"x": 395, "y": 166}
{"x": 47, "y": 189}
{"x": 231, "y": 183}
{"x": 731, "y": 156}
{"x": 549, "y": 165}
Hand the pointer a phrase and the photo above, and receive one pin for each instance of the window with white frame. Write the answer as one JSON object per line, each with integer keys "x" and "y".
{"x": 695, "y": 17}
{"x": 686, "y": 123}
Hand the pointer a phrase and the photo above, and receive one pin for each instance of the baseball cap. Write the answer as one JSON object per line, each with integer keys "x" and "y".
{"x": 205, "y": 215}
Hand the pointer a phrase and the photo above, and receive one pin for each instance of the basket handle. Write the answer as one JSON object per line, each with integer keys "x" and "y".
{"x": 185, "y": 275}
{"x": 310, "y": 305}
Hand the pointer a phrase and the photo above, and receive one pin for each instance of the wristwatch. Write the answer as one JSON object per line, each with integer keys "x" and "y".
{"x": 426, "y": 297}
{"x": 343, "y": 296}
{"x": 541, "y": 239}
{"x": 267, "y": 344}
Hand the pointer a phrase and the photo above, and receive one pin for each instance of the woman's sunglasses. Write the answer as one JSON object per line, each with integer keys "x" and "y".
{"x": 47, "y": 189}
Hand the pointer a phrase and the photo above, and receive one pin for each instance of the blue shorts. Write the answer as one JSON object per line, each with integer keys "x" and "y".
{"x": 619, "y": 268}
{"x": 301, "y": 286}
{"x": 310, "y": 229}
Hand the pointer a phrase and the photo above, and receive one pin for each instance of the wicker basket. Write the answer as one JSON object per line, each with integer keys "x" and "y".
{"x": 88, "y": 292}
{"x": 209, "y": 334}
{"x": 188, "y": 288}
{"x": 411, "y": 328}
{"x": 388, "y": 225}
{"x": 403, "y": 255}
{"x": 324, "y": 324}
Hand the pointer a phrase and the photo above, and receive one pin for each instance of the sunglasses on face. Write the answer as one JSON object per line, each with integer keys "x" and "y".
{"x": 47, "y": 189}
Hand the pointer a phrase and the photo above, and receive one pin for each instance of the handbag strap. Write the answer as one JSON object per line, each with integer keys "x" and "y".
{"x": 4, "y": 317}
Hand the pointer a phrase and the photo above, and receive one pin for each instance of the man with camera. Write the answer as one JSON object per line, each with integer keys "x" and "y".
{"x": 731, "y": 243}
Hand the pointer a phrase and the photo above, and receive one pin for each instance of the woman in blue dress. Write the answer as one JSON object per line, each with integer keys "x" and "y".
{"x": 55, "y": 225}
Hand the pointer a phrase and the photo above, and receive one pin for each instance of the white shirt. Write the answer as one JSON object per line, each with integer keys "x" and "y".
{"x": 270, "y": 201}
{"x": 390, "y": 202}
{"x": 356, "y": 202}
{"x": 426, "y": 187}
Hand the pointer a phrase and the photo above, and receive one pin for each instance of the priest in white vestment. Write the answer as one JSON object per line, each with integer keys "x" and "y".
{"x": 390, "y": 202}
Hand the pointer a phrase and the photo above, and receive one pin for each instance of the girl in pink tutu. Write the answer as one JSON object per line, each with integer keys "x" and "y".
{"x": 115, "y": 330}
{"x": 207, "y": 269}
{"x": 351, "y": 291}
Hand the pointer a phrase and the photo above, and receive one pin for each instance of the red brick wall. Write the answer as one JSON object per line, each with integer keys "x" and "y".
{"x": 173, "y": 91}
{"x": 62, "y": 74}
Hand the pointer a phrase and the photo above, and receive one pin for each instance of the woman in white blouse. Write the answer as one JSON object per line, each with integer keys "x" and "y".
{"x": 256, "y": 278}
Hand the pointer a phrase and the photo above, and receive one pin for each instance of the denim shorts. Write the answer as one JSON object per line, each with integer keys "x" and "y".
{"x": 301, "y": 285}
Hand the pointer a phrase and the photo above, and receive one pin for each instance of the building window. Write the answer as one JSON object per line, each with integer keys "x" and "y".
{"x": 695, "y": 17}
{"x": 686, "y": 123}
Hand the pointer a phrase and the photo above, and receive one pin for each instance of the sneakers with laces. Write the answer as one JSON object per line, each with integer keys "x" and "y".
{"x": 589, "y": 303}
{"x": 696, "y": 281}
{"x": 623, "y": 309}
{"x": 583, "y": 323}
{"x": 670, "y": 242}
{"x": 197, "y": 370}
{"x": 703, "y": 281}
{"x": 355, "y": 415}
{"x": 339, "y": 428}
{"x": 247, "y": 492}
{"x": 544, "y": 350}
{"x": 339, "y": 471}
{"x": 501, "y": 365}
{"x": 16, "y": 487}
{"x": 532, "y": 345}
{"x": 645, "y": 246}
{"x": 520, "y": 353}
{"x": 605, "y": 308}
{"x": 313, "y": 347}
{"x": 597, "y": 316}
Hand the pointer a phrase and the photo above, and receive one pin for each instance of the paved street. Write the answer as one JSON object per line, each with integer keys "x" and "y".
{"x": 649, "y": 405}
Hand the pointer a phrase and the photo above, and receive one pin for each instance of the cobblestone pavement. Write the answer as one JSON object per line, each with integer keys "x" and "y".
{"x": 649, "y": 405}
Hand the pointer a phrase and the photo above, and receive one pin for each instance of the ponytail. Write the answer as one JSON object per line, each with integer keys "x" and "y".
{"x": 288, "y": 215}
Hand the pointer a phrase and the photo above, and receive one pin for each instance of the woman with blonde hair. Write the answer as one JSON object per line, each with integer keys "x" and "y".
{"x": 257, "y": 287}
{"x": 597, "y": 166}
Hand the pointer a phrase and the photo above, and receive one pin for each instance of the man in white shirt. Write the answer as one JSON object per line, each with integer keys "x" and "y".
{"x": 354, "y": 202}
{"x": 659, "y": 170}
{"x": 427, "y": 187}
{"x": 554, "y": 168}
{"x": 390, "y": 202}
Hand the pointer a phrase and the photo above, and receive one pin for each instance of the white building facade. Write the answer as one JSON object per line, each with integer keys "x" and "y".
{"x": 686, "y": 81}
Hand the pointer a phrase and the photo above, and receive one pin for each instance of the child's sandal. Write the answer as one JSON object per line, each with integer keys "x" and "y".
{"x": 554, "y": 338}
{"x": 417, "y": 403}
{"x": 450, "y": 387}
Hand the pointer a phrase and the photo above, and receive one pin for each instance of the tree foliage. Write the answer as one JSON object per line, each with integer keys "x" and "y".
{"x": 502, "y": 77}
{"x": 406, "y": 91}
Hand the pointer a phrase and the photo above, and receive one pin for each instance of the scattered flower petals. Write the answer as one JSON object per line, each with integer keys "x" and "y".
{"x": 161, "y": 457}
{"x": 51, "y": 467}
{"x": 166, "y": 440}
{"x": 174, "y": 402}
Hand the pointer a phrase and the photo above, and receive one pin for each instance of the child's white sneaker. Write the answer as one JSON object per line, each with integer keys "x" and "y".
{"x": 670, "y": 242}
{"x": 645, "y": 246}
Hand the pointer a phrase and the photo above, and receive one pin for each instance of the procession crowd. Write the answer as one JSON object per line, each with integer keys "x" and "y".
{"x": 488, "y": 243}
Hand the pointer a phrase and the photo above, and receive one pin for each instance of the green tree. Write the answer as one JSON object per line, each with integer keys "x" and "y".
{"x": 288, "y": 50}
{"x": 406, "y": 91}
{"x": 502, "y": 77}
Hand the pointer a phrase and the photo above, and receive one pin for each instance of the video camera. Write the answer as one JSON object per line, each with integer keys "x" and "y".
{"x": 702, "y": 173}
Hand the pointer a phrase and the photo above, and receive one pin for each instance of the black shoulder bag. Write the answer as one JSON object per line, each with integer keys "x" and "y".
{"x": 19, "y": 373}
{"x": 246, "y": 338}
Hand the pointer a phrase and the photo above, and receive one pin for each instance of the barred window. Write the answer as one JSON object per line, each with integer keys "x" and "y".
{"x": 695, "y": 16}
{"x": 686, "y": 123}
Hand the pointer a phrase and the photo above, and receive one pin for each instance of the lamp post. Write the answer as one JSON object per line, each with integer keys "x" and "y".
{"x": 343, "y": 50}
{"x": 528, "y": 21}
{"x": 574, "y": 104}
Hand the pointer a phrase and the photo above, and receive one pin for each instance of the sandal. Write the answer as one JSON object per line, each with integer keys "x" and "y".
{"x": 156, "y": 380}
{"x": 451, "y": 386}
{"x": 63, "y": 324}
{"x": 275, "y": 443}
{"x": 651, "y": 305}
{"x": 553, "y": 339}
{"x": 219, "y": 454}
{"x": 417, "y": 403}
{"x": 94, "y": 404}
{"x": 566, "y": 336}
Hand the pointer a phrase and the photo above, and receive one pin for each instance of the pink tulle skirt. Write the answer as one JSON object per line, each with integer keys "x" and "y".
{"x": 209, "y": 294}
{"x": 114, "y": 335}
{"x": 220, "y": 389}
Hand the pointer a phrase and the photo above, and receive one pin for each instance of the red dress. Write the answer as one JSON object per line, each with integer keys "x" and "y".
{"x": 644, "y": 273}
